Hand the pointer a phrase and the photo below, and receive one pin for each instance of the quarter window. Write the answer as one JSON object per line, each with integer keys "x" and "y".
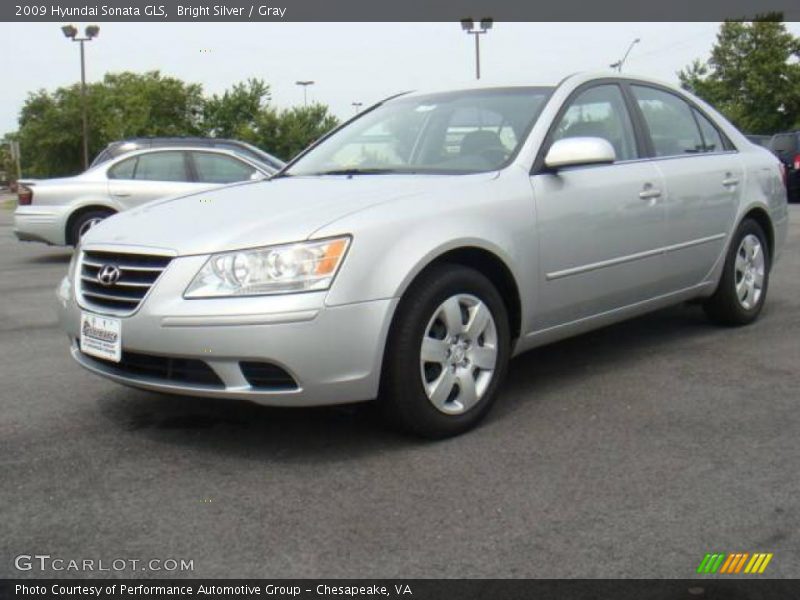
{"x": 600, "y": 112}
{"x": 712, "y": 140}
{"x": 123, "y": 170}
{"x": 217, "y": 168}
{"x": 672, "y": 125}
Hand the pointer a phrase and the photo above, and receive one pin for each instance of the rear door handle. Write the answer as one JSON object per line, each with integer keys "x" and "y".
{"x": 730, "y": 181}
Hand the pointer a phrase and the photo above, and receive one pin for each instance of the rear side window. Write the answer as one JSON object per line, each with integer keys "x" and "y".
{"x": 671, "y": 122}
{"x": 600, "y": 112}
{"x": 161, "y": 166}
{"x": 217, "y": 168}
{"x": 123, "y": 170}
{"x": 712, "y": 140}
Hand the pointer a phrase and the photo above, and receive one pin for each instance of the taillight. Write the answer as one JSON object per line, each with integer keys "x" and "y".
{"x": 24, "y": 195}
{"x": 796, "y": 162}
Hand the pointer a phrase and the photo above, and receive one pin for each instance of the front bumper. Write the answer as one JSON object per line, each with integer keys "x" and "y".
{"x": 39, "y": 224}
{"x": 333, "y": 353}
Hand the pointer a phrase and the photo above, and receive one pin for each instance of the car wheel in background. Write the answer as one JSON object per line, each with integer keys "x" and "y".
{"x": 447, "y": 353}
{"x": 81, "y": 224}
{"x": 743, "y": 286}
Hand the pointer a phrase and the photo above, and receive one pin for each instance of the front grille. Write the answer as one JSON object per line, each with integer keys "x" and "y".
{"x": 137, "y": 274}
{"x": 162, "y": 368}
{"x": 267, "y": 376}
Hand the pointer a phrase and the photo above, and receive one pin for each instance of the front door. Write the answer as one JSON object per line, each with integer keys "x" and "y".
{"x": 600, "y": 228}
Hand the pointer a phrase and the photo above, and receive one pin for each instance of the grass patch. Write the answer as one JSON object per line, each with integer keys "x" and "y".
{"x": 8, "y": 203}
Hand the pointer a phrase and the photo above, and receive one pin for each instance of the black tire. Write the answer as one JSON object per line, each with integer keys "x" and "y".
{"x": 724, "y": 307}
{"x": 77, "y": 224}
{"x": 403, "y": 398}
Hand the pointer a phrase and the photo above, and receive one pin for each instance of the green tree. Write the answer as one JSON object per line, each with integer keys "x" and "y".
{"x": 126, "y": 104}
{"x": 234, "y": 114}
{"x": 286, "y": 132}
{"x": 122, "y": 105}
{"x": 752, "y": 76}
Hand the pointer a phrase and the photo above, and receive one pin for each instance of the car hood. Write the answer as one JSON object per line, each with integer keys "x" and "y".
{"x": 277, "y": 211}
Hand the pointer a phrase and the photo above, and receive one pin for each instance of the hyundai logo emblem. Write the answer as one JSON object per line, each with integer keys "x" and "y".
{"x": 108, "y": 275}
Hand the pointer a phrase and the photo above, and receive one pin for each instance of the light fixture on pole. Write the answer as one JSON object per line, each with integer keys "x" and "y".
{"x": 619, "y": 64}
{"x": 357, "y": 106}
{"x": 305, "y": 85}
{"x": 91, "y": 32}
{"x": 468, "y": 25}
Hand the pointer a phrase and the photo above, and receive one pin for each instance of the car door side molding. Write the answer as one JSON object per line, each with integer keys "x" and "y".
{"x": 632, "y": 257}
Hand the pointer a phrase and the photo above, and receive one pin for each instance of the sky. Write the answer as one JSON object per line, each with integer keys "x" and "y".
{"x": 349, "y": 62}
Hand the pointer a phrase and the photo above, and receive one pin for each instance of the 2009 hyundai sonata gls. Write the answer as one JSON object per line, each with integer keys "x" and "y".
{"x": 411, "y": 253}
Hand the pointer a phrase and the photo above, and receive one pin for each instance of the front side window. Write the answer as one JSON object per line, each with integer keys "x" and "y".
{"x": 600, "y": 112}
{"x": 456, "y": 132}
{"x": 672, "y": 125}
{"x": 217, "y": 168}
{"x": 161, "y": 166}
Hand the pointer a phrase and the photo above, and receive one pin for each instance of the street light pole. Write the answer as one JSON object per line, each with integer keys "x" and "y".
{"x": 357, "y": 106}
{"x": 468, "y": 25}
{"x": 618, "y": 65}
{"x": 91, "y": 32}
{"x": 305, "y": 85}
{"x": 84, "y": 117}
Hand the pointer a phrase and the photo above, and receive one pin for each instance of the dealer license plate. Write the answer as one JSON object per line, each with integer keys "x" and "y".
{"x": 101, "y": 337}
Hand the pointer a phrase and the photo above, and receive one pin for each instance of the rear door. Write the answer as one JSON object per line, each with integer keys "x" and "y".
{"x": 703, "y": 175}
{"x": 149, "y": 176}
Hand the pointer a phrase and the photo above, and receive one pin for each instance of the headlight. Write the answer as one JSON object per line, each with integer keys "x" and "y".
{"x": 301, "y": 267}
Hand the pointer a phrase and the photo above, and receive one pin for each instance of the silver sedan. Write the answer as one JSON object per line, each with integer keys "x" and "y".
{"x": 411, "y": 253}
{"x": 60, "y": 211}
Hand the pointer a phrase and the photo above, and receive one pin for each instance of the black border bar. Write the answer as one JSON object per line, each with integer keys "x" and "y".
{"x": 712, "y": 588}
{"x": 391, "y": 10}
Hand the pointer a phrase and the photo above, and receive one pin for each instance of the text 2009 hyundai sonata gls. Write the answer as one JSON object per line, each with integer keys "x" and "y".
{"x": 410, "y": 254}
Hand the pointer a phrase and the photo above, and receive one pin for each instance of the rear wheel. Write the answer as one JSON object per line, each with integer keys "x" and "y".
{"x": 84, "y": 222}
{"x": 743, "y": 286}
{"x": 447, "y": 353}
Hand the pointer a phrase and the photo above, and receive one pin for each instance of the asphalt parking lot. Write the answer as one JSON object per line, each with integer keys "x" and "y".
{"x": 627, "y": 452}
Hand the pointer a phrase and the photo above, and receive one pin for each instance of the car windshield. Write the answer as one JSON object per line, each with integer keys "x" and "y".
{"x": 455, "y": 132}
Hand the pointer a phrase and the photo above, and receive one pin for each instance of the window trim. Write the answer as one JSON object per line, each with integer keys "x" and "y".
{"x": 728, "y": 146}
{"x": 539, "y": 167}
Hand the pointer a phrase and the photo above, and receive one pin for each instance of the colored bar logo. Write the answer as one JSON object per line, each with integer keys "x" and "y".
{"x": 734, "y": 563}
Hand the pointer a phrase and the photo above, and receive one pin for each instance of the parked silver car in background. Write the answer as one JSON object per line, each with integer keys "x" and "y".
{"x": 61, "y": 211}
{"x": 408, "y": 255}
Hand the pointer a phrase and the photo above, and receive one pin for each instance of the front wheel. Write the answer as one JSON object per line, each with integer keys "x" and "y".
{"x": 447, "y": 353}
{"x": 742, "y": 288}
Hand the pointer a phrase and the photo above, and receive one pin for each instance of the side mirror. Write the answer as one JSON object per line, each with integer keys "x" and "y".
{"x": 579, "y": 151}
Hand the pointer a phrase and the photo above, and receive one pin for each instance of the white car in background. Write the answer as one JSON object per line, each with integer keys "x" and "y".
{"x": 60, "y": 211}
